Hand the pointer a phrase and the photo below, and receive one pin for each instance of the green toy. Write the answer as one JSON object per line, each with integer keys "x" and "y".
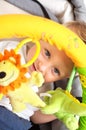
{"x": 64, "y": 106}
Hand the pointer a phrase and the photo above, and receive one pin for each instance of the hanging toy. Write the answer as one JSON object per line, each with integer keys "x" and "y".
{"x": 13, "y": 82}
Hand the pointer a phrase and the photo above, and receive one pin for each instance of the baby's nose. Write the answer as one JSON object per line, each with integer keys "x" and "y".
{"x": 41, "y": 67}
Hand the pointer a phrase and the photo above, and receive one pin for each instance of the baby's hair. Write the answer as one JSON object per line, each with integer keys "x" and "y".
{"x": 79, "y": 28}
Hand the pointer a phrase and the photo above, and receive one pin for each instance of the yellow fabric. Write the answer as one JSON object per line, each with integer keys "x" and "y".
{"x": 16, "y": 25}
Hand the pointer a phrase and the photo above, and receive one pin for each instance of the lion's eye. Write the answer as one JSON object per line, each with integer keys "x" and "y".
{"x": 2, "y": 74}
{"x": 3, "y": 62}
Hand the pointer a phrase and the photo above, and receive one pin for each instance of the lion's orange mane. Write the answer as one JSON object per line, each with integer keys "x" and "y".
{"x": 21, "y": 78}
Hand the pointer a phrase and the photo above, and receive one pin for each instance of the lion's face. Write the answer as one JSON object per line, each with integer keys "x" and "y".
{"x": 8, "y": 72}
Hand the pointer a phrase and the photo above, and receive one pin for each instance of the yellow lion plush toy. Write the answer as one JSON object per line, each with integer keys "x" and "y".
{"x": 14, "y": 83}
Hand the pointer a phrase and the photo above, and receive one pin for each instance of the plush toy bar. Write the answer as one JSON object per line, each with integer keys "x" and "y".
{"x": 21, "y": 26}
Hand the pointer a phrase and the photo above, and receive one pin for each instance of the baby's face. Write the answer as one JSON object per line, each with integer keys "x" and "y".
{"x": 52, "y": 63}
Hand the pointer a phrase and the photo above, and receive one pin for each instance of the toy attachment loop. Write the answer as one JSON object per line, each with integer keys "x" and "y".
{"x": 69, "y": 84}
{"x": 37, "y": 50}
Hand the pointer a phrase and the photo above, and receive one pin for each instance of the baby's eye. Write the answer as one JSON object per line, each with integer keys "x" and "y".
{"x": 56, "y": 71}
{"x": 47, "y": 53}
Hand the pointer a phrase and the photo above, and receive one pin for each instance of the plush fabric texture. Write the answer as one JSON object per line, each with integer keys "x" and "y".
{"x": 62, "y": 9}
{"x": 79, "y": 9}
{"x": 58, "y": 10}
{"x": 32, "y": 8}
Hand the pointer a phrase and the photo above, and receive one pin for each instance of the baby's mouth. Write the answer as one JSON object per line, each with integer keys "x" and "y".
{"x": 34, "y": 67}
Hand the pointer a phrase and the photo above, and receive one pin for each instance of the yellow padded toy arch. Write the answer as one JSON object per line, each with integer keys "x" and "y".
{"x": 16, "y": 25}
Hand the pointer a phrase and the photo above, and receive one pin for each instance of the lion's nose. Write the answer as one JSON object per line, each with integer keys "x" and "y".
{"x": 2, "y": 74}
